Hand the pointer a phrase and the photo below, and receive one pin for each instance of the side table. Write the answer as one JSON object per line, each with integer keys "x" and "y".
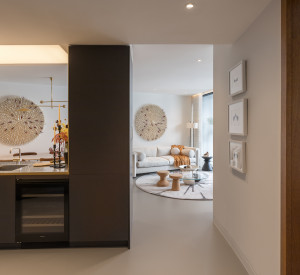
{"x": 163, "y": 182}
{"x": 207, "y": 166}
{"x": 176, "y": 181}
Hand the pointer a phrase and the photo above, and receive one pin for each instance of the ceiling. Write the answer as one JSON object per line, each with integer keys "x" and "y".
{"x": 157, "y": 68}
{"x": 35, "y": 74}
{"x": 172, "y": 69}
{"x": 67, "y": 22}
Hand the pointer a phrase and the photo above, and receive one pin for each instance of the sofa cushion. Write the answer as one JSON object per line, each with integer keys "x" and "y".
{"x": 140, "y": 156}
{"x": 152, "y": 162}
{"x": 169, "y": 158}
{"x": 150, "y": 151}
{"x": 188, "y": 152}
{"x": 163, "y": 150}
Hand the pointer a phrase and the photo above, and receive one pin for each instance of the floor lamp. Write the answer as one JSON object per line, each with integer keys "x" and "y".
{"x": 192, "y": 126}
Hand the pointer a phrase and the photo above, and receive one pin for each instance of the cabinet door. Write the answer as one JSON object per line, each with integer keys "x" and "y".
{"x": 99, "y": 109}
{"x": 99, "y": 209}
{"x": 7, "y": 209}
{"x": 99, "y": 158}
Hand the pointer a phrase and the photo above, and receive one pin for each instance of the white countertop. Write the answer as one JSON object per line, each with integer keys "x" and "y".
{"x": 30, "y": 170}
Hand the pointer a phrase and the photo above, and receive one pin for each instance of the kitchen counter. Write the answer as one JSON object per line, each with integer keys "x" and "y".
{"x": 9, "y": 158}
{"x": 30, "y": 170}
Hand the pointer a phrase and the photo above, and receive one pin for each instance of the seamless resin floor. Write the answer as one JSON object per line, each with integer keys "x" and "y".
{"x": 169, "y": 237}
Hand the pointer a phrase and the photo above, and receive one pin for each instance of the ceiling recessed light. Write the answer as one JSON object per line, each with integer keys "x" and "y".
{"x": 189, "y": 6}
{"x": 199, "y": 60}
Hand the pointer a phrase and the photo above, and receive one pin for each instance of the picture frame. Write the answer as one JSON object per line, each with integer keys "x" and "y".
{"x": 238, "y": 117}
{"x": 237, "y": 155}
{"x": 238, "y": 79}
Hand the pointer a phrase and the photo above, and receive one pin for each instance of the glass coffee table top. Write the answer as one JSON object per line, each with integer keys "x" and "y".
{"x": 193, "y": 179}
{"x": 188, "y": 168}
{"x": 196, "y": 176}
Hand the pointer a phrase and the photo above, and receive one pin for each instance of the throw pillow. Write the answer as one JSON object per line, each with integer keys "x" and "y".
{"x": 180, "y": 147}
{"x": 141, "y": 156}
{"x": 188, "y": 152}
{"x": 175, "y": 151}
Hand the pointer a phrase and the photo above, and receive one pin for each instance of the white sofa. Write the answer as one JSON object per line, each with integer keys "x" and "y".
{"x": 157, "y": 158}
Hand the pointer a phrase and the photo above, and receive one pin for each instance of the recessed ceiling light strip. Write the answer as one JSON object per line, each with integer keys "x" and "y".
{"x": 32, "y": 54}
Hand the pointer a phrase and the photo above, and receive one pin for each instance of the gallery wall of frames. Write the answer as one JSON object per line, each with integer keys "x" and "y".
{"x": 238, "y": 117}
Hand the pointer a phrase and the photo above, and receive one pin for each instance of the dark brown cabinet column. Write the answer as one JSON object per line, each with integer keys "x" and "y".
{"x": 99, "y": 118}
{"x": 7, "y": 209}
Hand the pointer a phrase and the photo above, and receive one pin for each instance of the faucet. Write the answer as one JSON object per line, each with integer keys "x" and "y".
{"x": 18, "y": 160}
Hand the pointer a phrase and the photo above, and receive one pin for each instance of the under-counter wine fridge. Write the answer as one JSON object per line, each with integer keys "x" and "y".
{"x": 42, "y": 211}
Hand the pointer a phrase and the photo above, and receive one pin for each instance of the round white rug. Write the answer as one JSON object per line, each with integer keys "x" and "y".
{"x": 203, "y": 191}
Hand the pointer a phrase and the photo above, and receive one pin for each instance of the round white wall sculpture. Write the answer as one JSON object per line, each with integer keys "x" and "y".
{"x": 150, "y": 122}
{"x": 21, "y": 121}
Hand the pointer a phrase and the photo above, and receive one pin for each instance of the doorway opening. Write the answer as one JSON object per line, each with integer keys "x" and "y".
{"x": 173, "y": 119}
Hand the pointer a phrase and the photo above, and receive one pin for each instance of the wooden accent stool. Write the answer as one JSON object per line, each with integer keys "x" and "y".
{"x": 163, "y": 178}
{"x": 176, "y": 181}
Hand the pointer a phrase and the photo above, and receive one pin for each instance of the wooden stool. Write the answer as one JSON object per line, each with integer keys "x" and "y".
{"x": 163, "y": 178}
{"x": 176, "y": 181}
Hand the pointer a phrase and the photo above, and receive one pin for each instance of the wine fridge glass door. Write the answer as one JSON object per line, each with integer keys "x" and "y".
{"x": 42, "y": 211}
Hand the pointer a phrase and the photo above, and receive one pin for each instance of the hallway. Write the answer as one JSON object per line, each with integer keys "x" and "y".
{"x": 169, "y": 237}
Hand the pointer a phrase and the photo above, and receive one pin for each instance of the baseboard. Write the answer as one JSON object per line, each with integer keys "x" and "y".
{"x": 236, "y": 249}
{"x": 100, "y": 244}
{"x": 10, "y": 246}
{"x": 41, "y": 245}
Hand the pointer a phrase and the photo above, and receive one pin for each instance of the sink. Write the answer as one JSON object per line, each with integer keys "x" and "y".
{"x": 10, "y": 167}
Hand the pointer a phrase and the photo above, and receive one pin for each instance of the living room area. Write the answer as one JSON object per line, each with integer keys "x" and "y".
{"x": 172, "y": 115}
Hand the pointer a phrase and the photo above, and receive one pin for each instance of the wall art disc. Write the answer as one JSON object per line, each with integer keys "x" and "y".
{"x": 21, "y": 121}
{"x": 150, "y": 122}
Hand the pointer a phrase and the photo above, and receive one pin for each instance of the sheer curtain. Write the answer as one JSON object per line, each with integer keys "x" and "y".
{"x": 196, "y": 114}
{"x": 206, "y": 118}
{"x": 202, "y": 113}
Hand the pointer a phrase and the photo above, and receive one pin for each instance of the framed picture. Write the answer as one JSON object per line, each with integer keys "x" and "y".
{"x": 238, "y": 117}
{"x": 237, "y": 155}
{"x": 238, "y": 79}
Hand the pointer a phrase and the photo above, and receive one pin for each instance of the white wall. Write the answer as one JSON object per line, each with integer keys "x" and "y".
{"x": 178, "y": 112}
{"x": 36, "y": 93}
{"x": 247, "y": 208}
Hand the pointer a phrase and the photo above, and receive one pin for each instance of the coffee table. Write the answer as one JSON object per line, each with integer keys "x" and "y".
{"x": 193, "y": 179}
{"x": 186, "y": 168}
